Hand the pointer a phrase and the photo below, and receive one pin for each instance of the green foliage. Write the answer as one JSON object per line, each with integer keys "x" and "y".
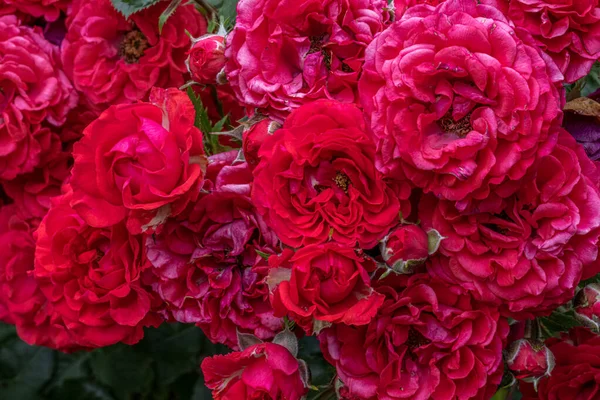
{"x": 167, "y": 13}
{"x": 129, "y": 7}
{"x": 163, "y": 366}
{"x": 227, "y": 10}
{"x": 203, "y": 122}
{"x": 559, "y": 321}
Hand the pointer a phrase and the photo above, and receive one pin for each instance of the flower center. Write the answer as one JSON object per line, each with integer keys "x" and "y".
{"x": 416, "y": 339}
{"x": 133, "y": 46}
{"x": 459, "y": 128}
{"x": 342, "y": 181}
{"x": 316, "y": 46}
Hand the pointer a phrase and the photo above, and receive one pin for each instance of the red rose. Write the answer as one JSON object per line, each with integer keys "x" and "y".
{"x": 323, "y": 284}
{"x": 529, "y": 360}
{"x": 32, "y": 192}
{"x": 22, "y": 303}
{"x": 587, "y": 306}
{"x": 143, "y": 162}
{"x": 48, "y": 9}
{"x": 464, "y": 119}
{"x": 282, "y": 54}
{"x": 207, "y": 58}
{"x": 263, "y": 371}
{"x": 91, "y": 277}
{"x": 428, "y": 341}
{"x": 206, "y": 264}
{"x": 32, "y": 81}
{"x": 254, "y": 137}
{"x": 528, "y": 253}
{"x": 569, "y": 31}
{"x": 317, "y": 180}
{"x": 576, "y": 375}
{"x": 112, "y": 60}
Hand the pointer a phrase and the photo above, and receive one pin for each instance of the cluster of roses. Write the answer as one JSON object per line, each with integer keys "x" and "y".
{"x": 400, "y": 187}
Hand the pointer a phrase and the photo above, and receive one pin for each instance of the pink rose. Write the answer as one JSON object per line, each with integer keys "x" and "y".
{"x": 33, "y": 83}
{"x": 529, "y": 360}
{"x": 464, "y": 119}
{"x": 282, "y": 54}
{"x": 528, "y": 253}
{"x": 569, "y": 30}
{"x": 263, "y": 371}
{"x": 428, "y": 341}
{"x": 112, "y": 60}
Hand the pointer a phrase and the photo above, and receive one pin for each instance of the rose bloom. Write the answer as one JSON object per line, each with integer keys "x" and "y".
{"x": 48, "y": 9}
{"x": 32, "y": 80}
{"x": 263, "y": 371}
{"x": 317, "y": 180}
{"x": 569, "y": 30}
{"x": 407, "y": 243}
{"x": 112, "y": 60}
{"x": 527, "y": 254}
{"x": 207, "y": 58}
{"x": 461, "y": 118}
{"x": 576, "y": 375}
{"x": 282, "y": 54}
{"x": 141, "y": 162}
{"x": 428, "y": 341}
{"x": 323, "y": 284}
{"x": 91, "y": 277}
{"x": 22, "y": 303}
{"x": 32, "y": 192}
{"x": 206, "y": 265}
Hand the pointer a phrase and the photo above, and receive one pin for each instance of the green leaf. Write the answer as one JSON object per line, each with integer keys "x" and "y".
{"x": 174, "y": 349}
{"x": 129, "y": 7}
{"x": 592, "y": 81}
{"x": 167, "y": 13}
{"x": 559, "y": 321}
{"x": 81, "y": 390}
{"x": 24, "y": 369}
{"x": 123, "y": 369}
{"x": 227, "y": 10}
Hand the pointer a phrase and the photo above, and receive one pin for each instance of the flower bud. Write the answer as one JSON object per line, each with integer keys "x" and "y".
{"x": 529, "y": 360}
{"x": 405, "y": 248}
{"x": 254, "y": 137}
{"x": 587, "y": 306}
{"x": 207, "y": 58}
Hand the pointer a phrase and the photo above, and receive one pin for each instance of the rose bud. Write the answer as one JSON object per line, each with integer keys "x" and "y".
{"x": 254, "y": 137}
{"x": 529, "y": 360}
{"x": 207, "y": 58}
{"x": 587, "y": 306}
{"x": 407, "y": 247}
